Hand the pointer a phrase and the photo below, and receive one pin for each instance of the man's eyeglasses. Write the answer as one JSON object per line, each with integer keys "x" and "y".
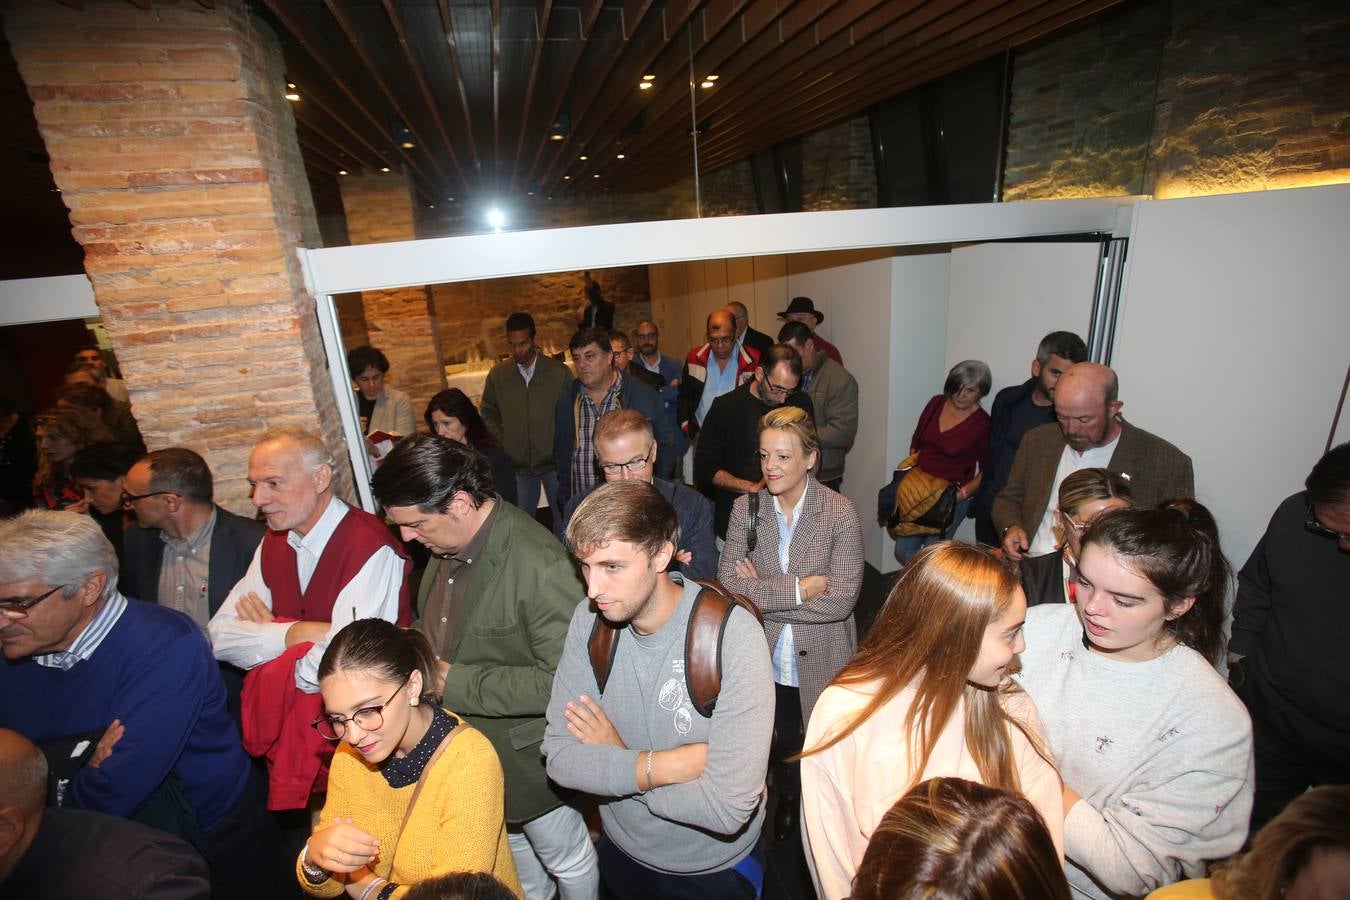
{"x": 782, "y": 391}
{"x": 1317, "y": 527}
{"x": 369, "y": 718}
{"x": 129, "y": 499}
{"x": 22, "y": 605}
{"x": 633, "y": 465}
{"x": 721, "y": 341}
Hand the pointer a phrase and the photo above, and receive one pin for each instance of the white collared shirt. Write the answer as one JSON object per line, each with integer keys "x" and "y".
{"x": 785, "y": 651}
{"x": 372, "y": 593}
{"x": 89, "y": 639}
{"x": 1070, "y": 461}
{"x": 527, "y": 372}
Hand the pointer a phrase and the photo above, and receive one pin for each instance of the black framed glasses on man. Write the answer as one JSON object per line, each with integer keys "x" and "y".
{"x": 129, "y": 500}
{"x": 368, "y": 718}
{"x": 635, "y": 464}
{"x": 19, "y": 606}
{"x": 1312, "y": 524}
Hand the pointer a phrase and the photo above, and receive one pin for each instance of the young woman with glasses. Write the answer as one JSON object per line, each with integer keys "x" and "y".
{"x": 413, "y": 792}
{"x": 1083, "y": 495}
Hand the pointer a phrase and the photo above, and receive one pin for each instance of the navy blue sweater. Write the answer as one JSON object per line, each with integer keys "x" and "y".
{"x": 155, "y": 673}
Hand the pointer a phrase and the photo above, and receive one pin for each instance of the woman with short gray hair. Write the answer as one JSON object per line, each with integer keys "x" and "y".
{"x": 952, "y": 439}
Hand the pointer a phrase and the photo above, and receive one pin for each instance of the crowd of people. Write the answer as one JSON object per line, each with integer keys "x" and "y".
{"x": 640, "y": 701}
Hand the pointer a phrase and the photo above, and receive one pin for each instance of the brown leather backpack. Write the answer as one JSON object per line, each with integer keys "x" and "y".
{"x": 702, "y": 644}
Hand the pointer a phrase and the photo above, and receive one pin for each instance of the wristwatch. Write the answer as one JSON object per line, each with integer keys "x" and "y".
{"x": 313, "y": 874}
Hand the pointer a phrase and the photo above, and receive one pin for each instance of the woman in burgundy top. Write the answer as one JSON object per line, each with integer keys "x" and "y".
{"x": 953, "y": 443}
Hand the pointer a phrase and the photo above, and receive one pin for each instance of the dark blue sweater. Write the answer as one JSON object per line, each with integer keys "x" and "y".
{"x": 155, "y": 673}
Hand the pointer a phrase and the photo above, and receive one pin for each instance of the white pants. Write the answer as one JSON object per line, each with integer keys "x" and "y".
{"x": 556, "y": 847}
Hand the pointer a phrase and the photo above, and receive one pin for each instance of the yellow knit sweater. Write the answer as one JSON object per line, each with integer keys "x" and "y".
{"x": 457, "y": 825}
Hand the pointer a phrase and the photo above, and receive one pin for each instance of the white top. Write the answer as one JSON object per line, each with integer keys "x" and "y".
{"x": 1160, "y": 751}
{"x": 1070, "y": 461}
{"x": 785, "y": 651}
{"x": 372, "y": 593}
{"x": 849, "y": 787}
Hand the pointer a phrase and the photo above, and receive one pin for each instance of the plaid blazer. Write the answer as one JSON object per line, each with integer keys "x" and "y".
{"x": 827, "y": 541}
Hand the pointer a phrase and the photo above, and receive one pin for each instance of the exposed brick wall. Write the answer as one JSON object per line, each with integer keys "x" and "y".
{"x": 177, "y": 160}
{"x": 1186, "y": 97}
{"x": 838, "y": 171}
{"x": 400, "y": 322}
{"x": 472, "y": 313}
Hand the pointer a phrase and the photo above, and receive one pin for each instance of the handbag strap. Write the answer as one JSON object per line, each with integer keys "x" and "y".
{"x": 421, "y": 780}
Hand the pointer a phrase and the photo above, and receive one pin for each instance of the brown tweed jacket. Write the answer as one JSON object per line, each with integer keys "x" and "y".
{"x": 828, "y": 541}
{"x": 1158, "y": 471}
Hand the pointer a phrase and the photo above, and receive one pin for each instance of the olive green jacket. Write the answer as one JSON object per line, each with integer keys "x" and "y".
{"x": 520, "y": 415}
{"x": 508, "y": 637}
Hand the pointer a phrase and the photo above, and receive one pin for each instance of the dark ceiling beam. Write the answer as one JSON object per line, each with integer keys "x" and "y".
{"x": 331, "y": 163}
{"x": 719, "y": 19}
{"x": 586, "y": 25}
{"x": 344, "y": 153}
{"x": 315, "y": 99}
{"x": 603, "y": 77}
{"x": 284, "y": 12}
{"x": 397, "y": 23}
{"x": 349, "y": 30}
{"x": 541, "y": 24}
{"x": 448, "y": 24}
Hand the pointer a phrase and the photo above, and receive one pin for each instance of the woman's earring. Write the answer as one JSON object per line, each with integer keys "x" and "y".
{"x": 412, "y": 702}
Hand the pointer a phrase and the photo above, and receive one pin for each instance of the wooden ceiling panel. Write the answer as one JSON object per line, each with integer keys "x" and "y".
{"x": 480, "y": 83}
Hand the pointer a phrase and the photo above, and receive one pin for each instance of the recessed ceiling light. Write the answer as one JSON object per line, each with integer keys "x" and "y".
{"x": 583, "y": 157}
{"x": 431, "y": 206}
{"x": 529, "y": 193}
{"x": 555, "y": 137}
{"x": 292, "y": 96}
{"x": 596, "y": 175}
{"x": 407, "y": 145}
{"x": 342, "y": 171}
{"x": 620, "y": 156}
{"x": 705, "y": 85}
{"x": 644, "y": 86}
{"x": 384, "y": 168}
{"x": 567, "y": 178}
{"x": 712, "y": 77}
{"x": 291, "y": 85}
{"x": 449, "y": 199}
{"x": 644, "y": 78}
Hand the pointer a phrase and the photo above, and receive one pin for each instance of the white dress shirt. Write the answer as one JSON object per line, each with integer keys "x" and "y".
{"x": 1070, "y": 461}
{"x": 785, "y": 651}
{"x": 372, "y": 593}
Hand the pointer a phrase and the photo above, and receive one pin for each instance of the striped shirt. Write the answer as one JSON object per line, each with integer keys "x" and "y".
{"x": 84, "y": 646}
{"x": 587, "y": 414}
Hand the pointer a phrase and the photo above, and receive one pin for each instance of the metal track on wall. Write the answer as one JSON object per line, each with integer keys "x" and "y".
{"x": 1106, "y": 299}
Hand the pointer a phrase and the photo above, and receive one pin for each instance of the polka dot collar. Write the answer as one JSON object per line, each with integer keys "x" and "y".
{"x": 401, "y": 772}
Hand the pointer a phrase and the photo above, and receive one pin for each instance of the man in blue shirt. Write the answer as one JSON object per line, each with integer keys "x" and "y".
{"x": 650, "y": 357}
{"x": 136, "y": 686}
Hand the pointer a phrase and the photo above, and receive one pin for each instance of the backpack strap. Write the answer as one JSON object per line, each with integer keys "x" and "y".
{"x": 703, "y": 642}
{"x": 601, "y": 648}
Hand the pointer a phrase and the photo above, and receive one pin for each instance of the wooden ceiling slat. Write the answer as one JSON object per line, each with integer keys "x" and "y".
{"x": 586, "y": 25}
{"x": 341, "y": 16}
{"x": 315, "y": 99}
{"x": 541, "y": 33}
{"x": 331, "y": 164}
{"x": 287, "y": 15}
{"x": 448, "y": 23}
{"x": 882, "y": 80}
{"x": 356, "y": 158}
{"x": 600, "y": 78}
{"x": 397, "y": 23}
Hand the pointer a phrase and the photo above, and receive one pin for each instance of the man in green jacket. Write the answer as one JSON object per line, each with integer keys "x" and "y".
{"x": 495, "y": 601}
{"x": 518, "y": 401}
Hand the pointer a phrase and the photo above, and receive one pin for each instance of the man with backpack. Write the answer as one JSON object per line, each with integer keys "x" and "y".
{"x": 663, "y": 701}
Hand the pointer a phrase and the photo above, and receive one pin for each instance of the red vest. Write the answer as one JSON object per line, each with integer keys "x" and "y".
{"x": 353, "y": 543}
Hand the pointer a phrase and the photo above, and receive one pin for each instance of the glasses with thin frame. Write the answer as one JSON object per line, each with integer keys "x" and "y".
{"x": 780, "y": 391}
{"x": 368, "y": 718}
{"x": 21, "y": 605}
{"x": 129, "y": 499}
{"x": 1316, "y": 527}
{"x": 633, "y": 465}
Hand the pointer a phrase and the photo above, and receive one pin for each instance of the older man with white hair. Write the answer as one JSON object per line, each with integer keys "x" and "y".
{"x": 124, "y": 699}
{"x": 321, "y": 565}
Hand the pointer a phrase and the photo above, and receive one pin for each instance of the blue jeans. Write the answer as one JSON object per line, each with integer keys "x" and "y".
{"x": 527, "y": 492}
{"x": 906, "y": 547}
{"x": 629, "y": 879}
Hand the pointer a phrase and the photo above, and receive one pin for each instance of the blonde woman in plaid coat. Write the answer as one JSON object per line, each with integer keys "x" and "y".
{"x": 804, "y": 574}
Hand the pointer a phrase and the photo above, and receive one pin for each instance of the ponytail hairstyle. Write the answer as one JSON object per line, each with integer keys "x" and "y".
{"x": 383, "y": 650}
{"x": 1175, "y": 546}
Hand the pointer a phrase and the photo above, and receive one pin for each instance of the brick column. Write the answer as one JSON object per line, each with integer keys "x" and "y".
{"x": 400, "y": 322}
{"x": 177, "y": 158}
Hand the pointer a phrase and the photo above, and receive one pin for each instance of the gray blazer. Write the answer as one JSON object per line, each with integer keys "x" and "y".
{"x": 827, "y": 541}
{"x": 1158, "y": 471}
{"x": 834, "y": 394}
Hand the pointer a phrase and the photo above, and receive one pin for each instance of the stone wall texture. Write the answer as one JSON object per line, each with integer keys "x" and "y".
{"x": 177, "y": 158}
{"x": 838, "y": 170}
{"x": 401, "y": 322}
{"x": 1184, "y": 97}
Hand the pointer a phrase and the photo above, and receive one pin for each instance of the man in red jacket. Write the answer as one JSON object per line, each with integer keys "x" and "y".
{"x": 321, "y": 565}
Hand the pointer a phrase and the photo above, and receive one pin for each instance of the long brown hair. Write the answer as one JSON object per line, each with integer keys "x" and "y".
{"x": 79, "y": 426}
{"x": 928, "y": 637}
{"x": 953, "y": 838}
{"x": 1280, "y": 849}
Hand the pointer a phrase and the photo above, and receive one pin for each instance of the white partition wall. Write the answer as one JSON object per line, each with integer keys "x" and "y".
{"x": 1233, "y": 341}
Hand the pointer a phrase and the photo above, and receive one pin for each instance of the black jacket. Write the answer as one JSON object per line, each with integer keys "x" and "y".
{"x": 233, "y": 543}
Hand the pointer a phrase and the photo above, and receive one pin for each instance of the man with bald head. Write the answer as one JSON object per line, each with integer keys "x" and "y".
{"x": 746, "y": 336}
{"x": 1089, "y": 432}
{"x": 59, "y": 852}
{"x": 321, "y": 565}
{"x": 716, "y": 368}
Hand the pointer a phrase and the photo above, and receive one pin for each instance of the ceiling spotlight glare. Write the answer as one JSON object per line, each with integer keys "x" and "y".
{"x": 705, "y": 85}
{"x": 291, "y": 85}
{"x": 292, "y": 96}
{"x": 567, "y": 178}
{"x": 431, "y": 206}
{"x": 713, "y": 77}
{"x": 555, "y": 136}
{"x": 620, "y": 156}
{"x": 645, "y": 86}
{"x": 449, "y": 199}
{"x": 596, "y": 175}
{"x": 342, "y": 172}
{"x": 407, "y": 145}
{"x": 648, "y": 77}
{"x": 496, "y": 218}
{"x": 384, "y": 168}
{"x": 583, "y": 158}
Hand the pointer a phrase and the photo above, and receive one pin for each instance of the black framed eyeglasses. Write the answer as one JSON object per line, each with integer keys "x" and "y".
{"x": 633, "y": 465}
{"x": 129, "y": 499}
{"x": 1316, "y": 527}
{"x": 368, "y": 718}
{"x": 22, "y": 605}
{"x": 783, "y": 391}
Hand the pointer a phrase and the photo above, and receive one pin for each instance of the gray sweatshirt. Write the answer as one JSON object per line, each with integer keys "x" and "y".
{"x": 1160, "y": 751}
{"x": 702, "y": 826}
